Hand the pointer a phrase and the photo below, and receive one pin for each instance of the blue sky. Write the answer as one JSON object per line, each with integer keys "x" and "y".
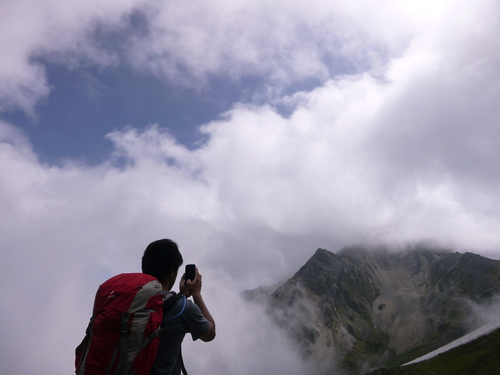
{"x": 85, "y": 104}
{"x": 251, "y": 133}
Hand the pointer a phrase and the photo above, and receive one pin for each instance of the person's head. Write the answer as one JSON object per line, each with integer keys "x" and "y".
{"x": 162, "y": 259}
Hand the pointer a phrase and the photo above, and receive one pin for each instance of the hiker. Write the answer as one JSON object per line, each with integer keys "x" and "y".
{"x": 162, "y": 260}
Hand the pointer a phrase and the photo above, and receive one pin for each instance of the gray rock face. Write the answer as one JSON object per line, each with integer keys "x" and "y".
{"x": 360, "y": 307}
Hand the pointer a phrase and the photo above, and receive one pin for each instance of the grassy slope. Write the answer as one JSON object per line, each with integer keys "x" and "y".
{"x": 478, "y": 357}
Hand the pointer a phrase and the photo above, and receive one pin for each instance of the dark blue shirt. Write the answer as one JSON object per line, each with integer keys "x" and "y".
{"x": 168, "y": 360}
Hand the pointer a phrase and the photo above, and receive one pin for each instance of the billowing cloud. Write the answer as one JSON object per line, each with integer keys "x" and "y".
{"x": 401, "y": 147}
{"x": 57, "y": 30}
{"x": 190, "y": 42}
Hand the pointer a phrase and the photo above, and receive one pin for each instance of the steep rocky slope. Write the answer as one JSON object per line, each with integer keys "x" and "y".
{"x": 360, "y": 308}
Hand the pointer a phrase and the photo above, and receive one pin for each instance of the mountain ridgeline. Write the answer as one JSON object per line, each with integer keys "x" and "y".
{"x": 362, "y": 308}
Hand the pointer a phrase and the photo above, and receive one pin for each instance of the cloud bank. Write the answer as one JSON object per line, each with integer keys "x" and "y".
{"x": 401, "y": 147}
{"x": 190, "y": 42}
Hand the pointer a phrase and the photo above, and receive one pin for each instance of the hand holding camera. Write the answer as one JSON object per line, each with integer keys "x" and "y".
{"x": 191, "y": 281}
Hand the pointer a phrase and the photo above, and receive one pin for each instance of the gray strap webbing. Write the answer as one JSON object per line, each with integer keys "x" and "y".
{"x": 85, "y": 345}
{"x": 183, "y": 368}
{"x": 113, "y": 357}
{"x": 123, "y": 362}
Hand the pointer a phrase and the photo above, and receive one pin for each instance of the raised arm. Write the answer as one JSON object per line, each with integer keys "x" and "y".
{"x": 193, "y": 288}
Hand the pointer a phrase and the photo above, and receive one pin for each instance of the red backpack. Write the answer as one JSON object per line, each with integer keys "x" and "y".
{"x": 121, "y": 337}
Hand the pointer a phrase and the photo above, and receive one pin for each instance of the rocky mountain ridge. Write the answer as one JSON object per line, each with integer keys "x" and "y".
{"x": 363, "y": 307}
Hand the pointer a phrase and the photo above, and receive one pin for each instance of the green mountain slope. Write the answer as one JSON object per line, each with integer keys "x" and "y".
{"x": 478, "y": 357}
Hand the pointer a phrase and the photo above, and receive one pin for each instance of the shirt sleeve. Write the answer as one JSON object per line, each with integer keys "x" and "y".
{"x": 196, "y": 323}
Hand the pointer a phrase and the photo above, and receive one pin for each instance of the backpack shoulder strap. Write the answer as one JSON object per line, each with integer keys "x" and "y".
{"x": 171, "y": 301}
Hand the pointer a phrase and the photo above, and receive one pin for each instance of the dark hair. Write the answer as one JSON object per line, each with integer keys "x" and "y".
{"x": 160, "y": 258}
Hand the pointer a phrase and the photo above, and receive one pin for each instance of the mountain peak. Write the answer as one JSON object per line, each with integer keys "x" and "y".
{"x": 363, "y": 305}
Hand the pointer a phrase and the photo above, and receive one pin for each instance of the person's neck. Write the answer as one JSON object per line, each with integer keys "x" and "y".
{"x": 167, "y": 284}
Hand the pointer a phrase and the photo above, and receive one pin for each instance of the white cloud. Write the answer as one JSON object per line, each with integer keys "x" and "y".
{"x": 403, "y": 152}
{"x": 285, "y": 41}
{"x": 64, "y": 230}
{"x": 57, "y": 30}
{"x": 188, "y": 41}
{"x": 247, "y": 342}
